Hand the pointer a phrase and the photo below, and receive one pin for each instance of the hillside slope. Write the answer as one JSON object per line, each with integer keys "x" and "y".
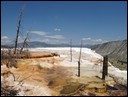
{"x": 116, "y": 50}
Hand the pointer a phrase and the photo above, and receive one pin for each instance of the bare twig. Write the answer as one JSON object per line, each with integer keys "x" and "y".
{"x": 24, "y": 78}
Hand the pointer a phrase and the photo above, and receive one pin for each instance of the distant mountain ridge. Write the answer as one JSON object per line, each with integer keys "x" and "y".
{"x": 115, "y": 49}
{"x": 35, "y": 44}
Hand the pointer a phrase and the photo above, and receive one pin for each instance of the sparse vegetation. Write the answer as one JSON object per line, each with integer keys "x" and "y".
{"x": 8, "y": 91}
{"x": 118, "y": 64}
{"x": 7, "y": 58}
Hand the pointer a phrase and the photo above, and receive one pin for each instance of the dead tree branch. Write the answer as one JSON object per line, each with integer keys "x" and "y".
{"x": 25, "y": 42}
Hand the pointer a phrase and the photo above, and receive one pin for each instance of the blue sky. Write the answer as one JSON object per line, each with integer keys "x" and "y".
{"x": 59, "y": 21}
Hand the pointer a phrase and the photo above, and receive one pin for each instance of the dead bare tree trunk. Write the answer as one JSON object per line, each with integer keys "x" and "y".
{"x": 80, "y": 51}
{"x": 78, "y": 68}
{"x": 17, "y": 34}
{"x": 71, "y": 49}
{"x": 18, "y": 29}
{"x": 105, "y": 67}
{"x": 79, "y": 60}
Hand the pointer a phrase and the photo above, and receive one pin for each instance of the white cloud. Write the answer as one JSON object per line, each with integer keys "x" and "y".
{"x": 4, "y": 37}
{"x": 86, "y": 38}
{"x": 55, "y": 36}
{"x": 93, "y": 41}
{"x": 6, "y": 40}
{"x": 39, "y": 32}
{"x": 57, "y": 29}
